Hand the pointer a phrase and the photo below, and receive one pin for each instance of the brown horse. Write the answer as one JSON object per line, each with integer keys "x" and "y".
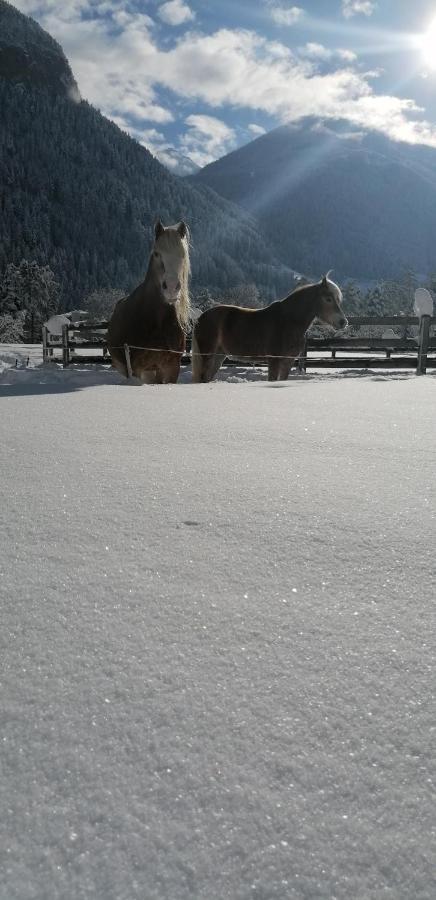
{"x": 276, "y": 332}
{"x": 155, "y": 317}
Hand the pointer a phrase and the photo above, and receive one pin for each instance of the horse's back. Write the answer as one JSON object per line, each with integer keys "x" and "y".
{"x": 237, "y": 329}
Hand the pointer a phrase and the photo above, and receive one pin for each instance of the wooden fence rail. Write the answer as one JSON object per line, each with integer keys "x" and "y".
{"x": 400, "y": 348}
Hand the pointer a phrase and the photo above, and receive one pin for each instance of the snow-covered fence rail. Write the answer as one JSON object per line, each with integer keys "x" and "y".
{"x": 369, "y": 342}
{"x": 89, "y": 339}
{"x": 376, "y": 342}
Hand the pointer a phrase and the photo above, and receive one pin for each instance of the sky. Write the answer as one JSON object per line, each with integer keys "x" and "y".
{"x": 196, "y": 79}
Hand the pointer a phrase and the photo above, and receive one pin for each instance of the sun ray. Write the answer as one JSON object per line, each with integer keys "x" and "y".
{"x": 428, "y": 45}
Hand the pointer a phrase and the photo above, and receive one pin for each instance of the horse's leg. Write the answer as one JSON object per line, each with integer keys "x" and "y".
{"x": 148, "y": 376}
{"x": 118, "y": 361}
{"x": 169, "y": 372}
{"x": 273, "y": 369}
{"x": 206, "y": 358}
{"x": 197, "y": 361}
{"x": 284, "y": 369}
{"x": 212, "y": 364}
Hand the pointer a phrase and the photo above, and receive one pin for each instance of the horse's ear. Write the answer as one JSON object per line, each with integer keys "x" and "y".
{"x": 182, "y": 228}
{"x": 324, "y": 280}
{"x": 158, "y": 229}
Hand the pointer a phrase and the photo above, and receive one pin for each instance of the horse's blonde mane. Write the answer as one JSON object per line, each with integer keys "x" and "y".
{"x": 172, "y": 242}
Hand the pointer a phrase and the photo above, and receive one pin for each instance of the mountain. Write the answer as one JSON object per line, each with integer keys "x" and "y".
{"x": 80, "y": 195}
{"x": 28, "y": 55}
{"x": 331, "y": 197}
{"x": 177, "y": 163}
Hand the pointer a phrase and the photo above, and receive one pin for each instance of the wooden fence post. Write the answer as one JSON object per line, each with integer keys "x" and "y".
{"x": 128, "y": 362}
{"x": 424, "y": 330}
{"x": 65, "y": 347}
{"x": 44, "y": 345}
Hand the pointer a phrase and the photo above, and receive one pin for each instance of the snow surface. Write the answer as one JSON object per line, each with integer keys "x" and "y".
{"x": 217, "y": 637}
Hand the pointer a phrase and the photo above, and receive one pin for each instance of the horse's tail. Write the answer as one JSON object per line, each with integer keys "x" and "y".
{"x": 196, "y": 358}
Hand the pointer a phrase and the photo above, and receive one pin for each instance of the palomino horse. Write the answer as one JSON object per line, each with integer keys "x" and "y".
{"x": 276, "y": 332}
{"x": 154, "y": 318}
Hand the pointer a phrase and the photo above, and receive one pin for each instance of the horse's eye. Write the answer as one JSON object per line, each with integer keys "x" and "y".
{"x": 156, "y": 254}
{"x": 329, "y": 299}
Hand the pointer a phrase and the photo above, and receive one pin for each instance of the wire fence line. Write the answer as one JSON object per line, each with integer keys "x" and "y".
{"x": 191, "y": 353}
{"x": 345, "y": 349}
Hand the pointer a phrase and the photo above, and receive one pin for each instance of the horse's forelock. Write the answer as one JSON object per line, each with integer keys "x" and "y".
{"x": 171, "y": 241}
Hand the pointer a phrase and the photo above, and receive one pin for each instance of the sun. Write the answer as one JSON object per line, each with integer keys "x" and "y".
{"x": 428, "y": 45}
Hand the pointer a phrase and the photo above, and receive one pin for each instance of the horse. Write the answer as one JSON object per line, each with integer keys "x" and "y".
{"x": 154, "y": 318}
{"x": 276, "y": 332}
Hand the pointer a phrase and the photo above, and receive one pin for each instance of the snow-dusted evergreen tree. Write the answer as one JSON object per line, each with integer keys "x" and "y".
{"x": 431, "y": 283}
{"x": 353, "y": 298}
{"x": 100, "y": 304}
{"x": 30, "y": 289}
{"x": 202, "y": 299}
{"x": 243, "y": 295}
{"x": 398, "y": 294}
{"x": 374, "y": 302}
{"x": 11, "y": 327}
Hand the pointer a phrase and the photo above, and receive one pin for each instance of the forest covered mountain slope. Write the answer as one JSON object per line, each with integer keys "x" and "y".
{"x": 28, "y": 55}
{"x": 80, "y": 195}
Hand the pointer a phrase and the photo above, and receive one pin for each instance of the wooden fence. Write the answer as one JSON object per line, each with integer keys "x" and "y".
{"x": 406, "y": 342}
{"x": 410, "y": 343}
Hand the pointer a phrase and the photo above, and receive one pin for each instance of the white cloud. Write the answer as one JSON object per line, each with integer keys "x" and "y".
{"x": 207, "y": 138}
{"x": 346, "y": 55}
{"x": 256, "y": 129}
{"x": 156, "y": 142}
{"x": 108, "y": 66}
{"x": 316, "y": 51}
{"x": 286, "y": 15}
{"x": 358, "y": 7}
{"x": 121, "y": 69}
{"x": 175, "y": 12}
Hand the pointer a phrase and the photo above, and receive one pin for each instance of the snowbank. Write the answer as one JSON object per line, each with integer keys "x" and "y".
{"x": 217, "y": 619}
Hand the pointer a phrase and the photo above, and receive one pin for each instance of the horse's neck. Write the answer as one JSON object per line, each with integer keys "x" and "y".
{"x": 300, "y": 308}
{"x": 149, "y": 293}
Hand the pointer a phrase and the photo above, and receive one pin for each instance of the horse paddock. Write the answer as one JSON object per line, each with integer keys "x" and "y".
{"x": 217, "y": 619}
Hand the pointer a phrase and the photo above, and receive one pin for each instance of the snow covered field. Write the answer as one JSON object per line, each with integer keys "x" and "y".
{"x": 218, "y": 652}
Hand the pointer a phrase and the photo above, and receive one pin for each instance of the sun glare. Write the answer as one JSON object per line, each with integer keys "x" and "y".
{"x": 428, "y": 45}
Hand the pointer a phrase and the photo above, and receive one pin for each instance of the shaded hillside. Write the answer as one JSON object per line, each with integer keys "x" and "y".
{"x": 361, "y": 204}
{"x": 79, "y": 195}
{"x": 28, "y": 55}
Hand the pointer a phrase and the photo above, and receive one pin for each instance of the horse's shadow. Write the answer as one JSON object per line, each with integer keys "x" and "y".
{"x": 43, "y": 380}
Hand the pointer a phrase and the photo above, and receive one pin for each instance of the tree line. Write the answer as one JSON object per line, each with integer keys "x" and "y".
{"x": 30, "y": 294}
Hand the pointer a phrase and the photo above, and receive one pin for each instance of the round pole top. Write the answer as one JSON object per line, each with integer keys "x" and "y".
{"x": 423, "y": 305}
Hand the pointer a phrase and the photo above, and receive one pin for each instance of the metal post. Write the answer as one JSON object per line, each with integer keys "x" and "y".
{"x": 128, "y": 362}
{"x": 424, "y": 330}
{"x": 65, "y": 347}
